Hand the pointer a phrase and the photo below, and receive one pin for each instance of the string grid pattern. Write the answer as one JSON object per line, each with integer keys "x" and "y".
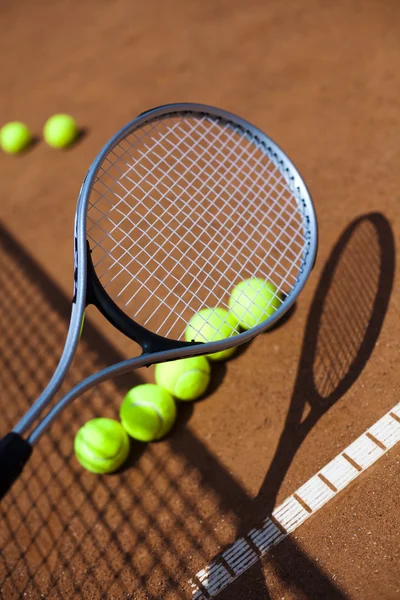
{"x": 185, "y": 208}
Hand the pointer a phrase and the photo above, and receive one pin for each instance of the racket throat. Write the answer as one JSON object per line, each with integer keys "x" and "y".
{"x": 149, "y": 342}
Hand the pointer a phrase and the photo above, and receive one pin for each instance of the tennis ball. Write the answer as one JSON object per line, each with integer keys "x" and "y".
{"x": 60, "y": 131}
{"x": 211, "y": 325}
{"x": 148, "y": 412}
{"x": 186, "y": 379}
{"x": 82, "y": 324}
{"x": 15, "y": 137}
{"x": 101, "y": 445}
{"x": 254, "y": 300}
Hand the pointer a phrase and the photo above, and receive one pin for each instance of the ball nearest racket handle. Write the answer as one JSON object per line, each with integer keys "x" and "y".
{"x": 14, "y": 454}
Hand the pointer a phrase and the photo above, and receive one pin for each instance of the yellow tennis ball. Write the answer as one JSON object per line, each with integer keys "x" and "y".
{"x": 211, "y": 325}
{"x": 148, "y": 412}
{"x": 186, "y": 379}
{"x": 82, "y": 325}
{"x": 60, "y": 131}
{"x": 253, "y": 301}
{"x": 15, "y": 137}
{"x": 102, "y": 445}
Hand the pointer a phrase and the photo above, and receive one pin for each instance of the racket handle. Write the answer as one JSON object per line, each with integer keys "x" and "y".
{"x": 14, "y": 453}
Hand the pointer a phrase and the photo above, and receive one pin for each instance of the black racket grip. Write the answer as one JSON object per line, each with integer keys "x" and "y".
{"x": 14, "y": 454}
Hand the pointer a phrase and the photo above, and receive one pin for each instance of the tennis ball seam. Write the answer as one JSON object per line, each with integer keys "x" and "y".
{"x": 195, "y": 371}
{"x": 156, "y": 410}
{"x": 92, "y": 450}
{"x": 94, "y": 458}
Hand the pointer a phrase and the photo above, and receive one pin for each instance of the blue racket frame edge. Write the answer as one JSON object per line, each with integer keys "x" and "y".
{"x": 15, "y": 449}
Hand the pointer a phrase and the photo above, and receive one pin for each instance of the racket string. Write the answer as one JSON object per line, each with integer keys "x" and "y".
{"x": 173, "y": 231}
{"x": 232, "y": 215}
{"x": 177, "y": 197}
{"x": 144, "y": 266}
{"x": 178, "y": 281}
{"x": 158, "y": 181}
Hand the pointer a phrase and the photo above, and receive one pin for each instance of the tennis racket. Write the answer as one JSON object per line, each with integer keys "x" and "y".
{"x": 181, "y": 205}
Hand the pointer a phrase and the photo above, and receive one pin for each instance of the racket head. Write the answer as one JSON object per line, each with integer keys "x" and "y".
{"x": 182, "y": 204}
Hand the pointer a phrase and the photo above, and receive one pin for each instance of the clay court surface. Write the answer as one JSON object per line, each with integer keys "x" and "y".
{"x": 322, "y": 79}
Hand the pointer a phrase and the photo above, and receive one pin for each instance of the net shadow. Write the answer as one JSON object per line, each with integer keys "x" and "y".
{"x": 65, "y": 533}
{"x": 142, "y": 533}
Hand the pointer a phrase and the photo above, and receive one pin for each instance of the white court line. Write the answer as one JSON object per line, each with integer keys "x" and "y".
{"x": 303, "y": 503}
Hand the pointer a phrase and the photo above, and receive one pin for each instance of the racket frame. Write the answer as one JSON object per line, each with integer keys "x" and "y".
{"x": 155, "y": 348}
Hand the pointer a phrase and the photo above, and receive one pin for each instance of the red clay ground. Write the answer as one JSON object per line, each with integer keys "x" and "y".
{"x": 322, "y": 80}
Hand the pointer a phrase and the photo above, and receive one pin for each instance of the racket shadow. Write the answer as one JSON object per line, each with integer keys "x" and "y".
{"x": 343, "y": 325}
{"x": 344, "y": 322}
